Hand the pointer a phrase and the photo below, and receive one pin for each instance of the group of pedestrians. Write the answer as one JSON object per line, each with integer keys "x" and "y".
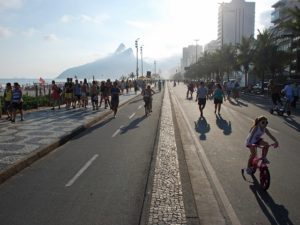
{"x": 73, "y": 94}
{"x": 258, "y": 129}
{"x": 13, "y": 101}
{"x": 205, "y": 91}
{"x": 77, "y": 94}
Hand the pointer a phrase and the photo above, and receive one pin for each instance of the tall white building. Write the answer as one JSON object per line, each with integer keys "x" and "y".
{"x": 286, "y": 39}
{"x": 235, "y": 20}
{"x": 189, "y": 55}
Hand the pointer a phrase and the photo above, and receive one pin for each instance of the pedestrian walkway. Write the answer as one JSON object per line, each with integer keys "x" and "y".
{"x": 23, "y": 142}
{"x": 167, "y": 205}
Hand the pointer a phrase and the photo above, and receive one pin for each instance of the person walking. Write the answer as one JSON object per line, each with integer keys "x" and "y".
{"x": 16, "y": 102}
{"x": 55, "y": 95}
{"x": 115, "y": 92}
{"x": 202, "y": 95}
{"x": 218, "y": 97}
{"x": 7, "y": 100}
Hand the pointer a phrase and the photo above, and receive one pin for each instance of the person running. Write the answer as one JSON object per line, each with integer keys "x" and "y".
{"x": 202, "y": 95}
{"x": 147, "y": 96}
{"x": 218, "y": 97}
{"x": 255, "y": 138}
{"x": 115, "y": 92}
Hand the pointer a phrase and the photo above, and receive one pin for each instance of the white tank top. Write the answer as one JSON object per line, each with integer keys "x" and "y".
{"x": 254, "y": 136}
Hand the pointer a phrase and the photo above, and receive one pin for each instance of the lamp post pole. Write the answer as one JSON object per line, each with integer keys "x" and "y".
{"x": 196, "y": 40}
{"x": 141, "y": 48}
{"x": 137, "y": 57}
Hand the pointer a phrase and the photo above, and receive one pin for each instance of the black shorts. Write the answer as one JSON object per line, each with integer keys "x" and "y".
{"x": 114, "y": 103}
{"x": 7, "y": 106}
{"x": 218, "y": 101}
{"x": 202, "y": 101}
{"x": 16, "y": 105}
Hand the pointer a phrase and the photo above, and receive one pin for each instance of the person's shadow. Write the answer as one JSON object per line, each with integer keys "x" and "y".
{"x": 276, "y": 214}
{"x": 202, "y": 127}
{"x": 292, "y": 123}
{"x": 223, "y": 124}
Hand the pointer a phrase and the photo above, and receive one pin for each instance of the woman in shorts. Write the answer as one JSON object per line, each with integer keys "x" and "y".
{"x": 218, "y": 98}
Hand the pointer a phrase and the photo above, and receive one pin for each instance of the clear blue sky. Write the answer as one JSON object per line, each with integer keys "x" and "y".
{"x": 45, "y": 37}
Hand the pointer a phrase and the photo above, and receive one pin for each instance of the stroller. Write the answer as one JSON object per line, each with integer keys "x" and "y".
{"x": 281, "y": 107}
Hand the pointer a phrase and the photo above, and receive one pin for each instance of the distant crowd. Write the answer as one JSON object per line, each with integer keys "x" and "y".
{"x": 74, "y": 94}
{"x": 290, "y": 92}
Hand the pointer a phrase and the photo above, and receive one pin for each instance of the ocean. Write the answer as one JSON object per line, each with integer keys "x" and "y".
{"x": 28, "y": 81}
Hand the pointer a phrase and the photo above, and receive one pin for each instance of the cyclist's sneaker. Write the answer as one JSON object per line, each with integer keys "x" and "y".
{"x": 266, "y": 161}
{"x": 249, "y": 171}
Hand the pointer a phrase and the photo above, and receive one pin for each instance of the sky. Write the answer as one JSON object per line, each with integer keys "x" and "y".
{"x": 42, "y": 38}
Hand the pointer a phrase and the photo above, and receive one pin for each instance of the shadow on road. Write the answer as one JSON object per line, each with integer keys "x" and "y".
{"x": 223, "y": 125}
{"x": 292, "y": 123}
{"x": 91, "y": 129}
{"x": 276, "y": 214}
{"x": 137, "y": 100}
{"x": 236, "y": 102}
{"x": 133, "y": 124}
{"x": 202, "y": 127}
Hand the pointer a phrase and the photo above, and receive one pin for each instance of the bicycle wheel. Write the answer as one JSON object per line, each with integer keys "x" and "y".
{"x": 265, "y": 178}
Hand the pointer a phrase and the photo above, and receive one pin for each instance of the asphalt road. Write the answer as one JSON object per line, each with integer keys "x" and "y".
{"x": 99, "y": 177}
{"x": 223, "y": 137}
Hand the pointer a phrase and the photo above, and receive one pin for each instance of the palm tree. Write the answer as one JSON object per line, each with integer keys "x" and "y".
{"x": 226, "y": 57}
{"x": 262, "y": 53}
{"x": 245, "y": 55}
{"x": 132, "y": 76}
{"x": 291, "y": 29}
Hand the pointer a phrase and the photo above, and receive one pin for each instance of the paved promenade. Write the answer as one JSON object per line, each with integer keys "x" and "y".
{"x": 23, "y": 142}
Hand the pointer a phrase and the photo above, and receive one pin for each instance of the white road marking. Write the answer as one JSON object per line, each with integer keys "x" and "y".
{"x": 80, "y": 172}
{"x": 140, "y": 106}
{"x": 117, "y": 132}
{"x": 132, "y": 115}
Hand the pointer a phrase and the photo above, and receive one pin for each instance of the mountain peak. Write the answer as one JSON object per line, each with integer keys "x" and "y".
{"x": 120, "y": 49}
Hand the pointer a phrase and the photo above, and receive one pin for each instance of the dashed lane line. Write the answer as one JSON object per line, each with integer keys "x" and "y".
{"x": 117, "y": 131}
{"x": 132, "y": 115}
{"x": 140, "y": 106}
{"x": 81, "y": 171}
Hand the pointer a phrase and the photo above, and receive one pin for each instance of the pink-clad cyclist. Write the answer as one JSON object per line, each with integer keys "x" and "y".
{"x": 255, "y": 139}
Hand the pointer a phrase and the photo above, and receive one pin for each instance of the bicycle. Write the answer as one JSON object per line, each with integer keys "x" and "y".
{"x": 264, "y": 173}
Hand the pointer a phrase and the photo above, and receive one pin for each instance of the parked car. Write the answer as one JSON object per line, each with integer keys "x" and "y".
{"x": 257, "y": 89}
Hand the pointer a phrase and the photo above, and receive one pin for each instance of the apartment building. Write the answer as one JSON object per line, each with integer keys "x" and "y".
{"x": 235, "y": 20}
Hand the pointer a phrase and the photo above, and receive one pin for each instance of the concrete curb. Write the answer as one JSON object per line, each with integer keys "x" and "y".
{"x": 43, "y": 151}
{"x": 207, "y": 204}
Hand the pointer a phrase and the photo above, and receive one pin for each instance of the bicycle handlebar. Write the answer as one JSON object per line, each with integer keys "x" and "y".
{"x": 275, "y": 145}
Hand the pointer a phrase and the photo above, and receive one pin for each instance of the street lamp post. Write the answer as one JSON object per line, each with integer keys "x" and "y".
{"x": 196, "y": 40}
{"x": 141, "y": 48}
{"x": 137, "y": 58}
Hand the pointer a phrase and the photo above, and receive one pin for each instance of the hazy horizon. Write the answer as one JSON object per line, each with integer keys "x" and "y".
{"x": 43, "y": 38}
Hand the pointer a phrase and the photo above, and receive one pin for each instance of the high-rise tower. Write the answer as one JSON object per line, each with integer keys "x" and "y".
{"x": 236, "y": 20}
